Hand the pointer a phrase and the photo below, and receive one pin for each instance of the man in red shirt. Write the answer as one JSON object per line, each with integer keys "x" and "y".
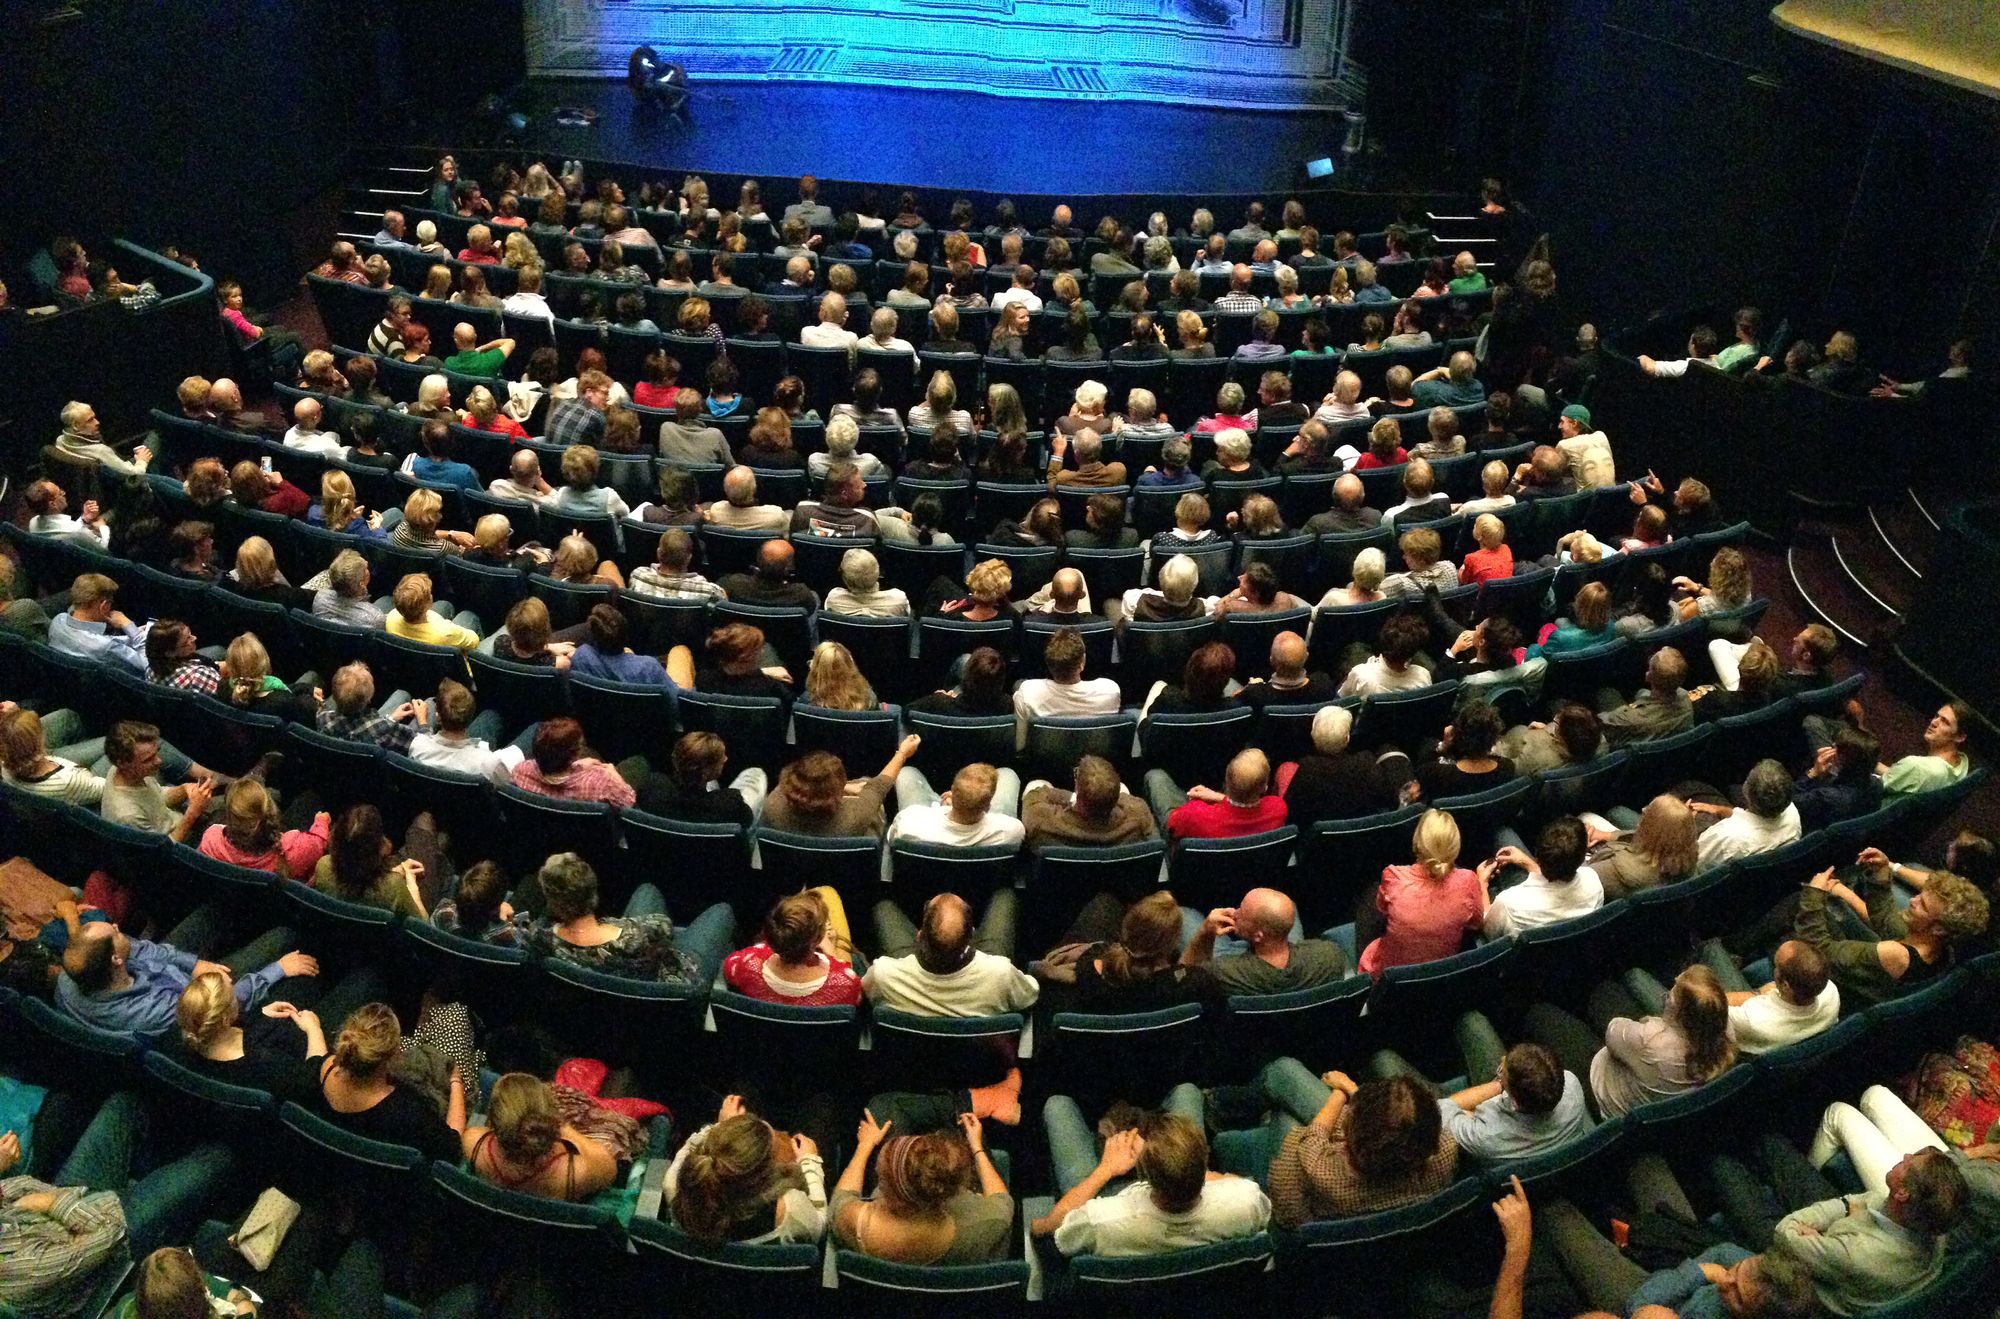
{"x": 343, "y": 263}
{"x": 1247, "y": 807}
{"x": 479, "y": 249}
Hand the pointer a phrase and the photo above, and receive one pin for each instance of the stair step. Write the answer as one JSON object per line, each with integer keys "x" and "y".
{"x": 1874, "y": 569}
{"x": 1827, "y": 593}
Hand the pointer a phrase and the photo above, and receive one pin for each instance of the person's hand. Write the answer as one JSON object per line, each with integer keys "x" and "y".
{"x": 1638, "y": 492}
{"x": 319, "y": 695}
{"x": 10, "y": 1152}
{"x": 1339, "y": 1081}
{"x": 90, "y": 512}
{"x": 732, "y": 1106}
{"x": 413, "y": 868}
{"x": 202, "y": 968}
{"x": 1516, "y": 1219}
{"x": 1059, "y": 445}
{"x": 403, "y": 712}
{"x": 1200, "y": 792}
{"x": 1824, "y": 881}
{"x": 40, "y": 1202}
{"x": 1594, "y": 835}
{"x": 1715, "y": 1273}
{"x": 1222, "y": 920}
{"x": 1149, "y": 471}
{"x": 142, "y": 455}
{"x": 199, "y": 793}
{"x": 975, "y": 1131}
{"x": 1701, "y": 691}
{"x": 908, "y": 746}
{"x": 280, "y": 1010}
{"x": 1685, "y": 583}
{"x": 1484, "y": 870}
{"x": 870, "y": 1133}
{"x": 1514, "y": 856}
{"x": 1822, "y": 763}
{"x": 305, "y": 1019}
{"x": 1121, "y": 1153}
{"x": 506, "y": 911}
{"x": 119, "y": 619}
{"x": 1873, "y": 857}
{"x": 67, "y": 910}
{"x": 1464, "y": 641}
{"x": 296, "y": 963}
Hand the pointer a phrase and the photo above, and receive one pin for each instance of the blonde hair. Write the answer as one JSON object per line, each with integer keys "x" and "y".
{"x": 1370, "y": 567}
{"x": 1666, "y": 835}
{"x": 1729, "y": 577}
{"x": 249, "y": 665}
{"x": 834, "y": 682}
{"x": 424, "y": 509}
{"x": 1699, "y": 1010}
{"x": 250, "y": 819}
{"x": 1435, "y": 844}
{"x": 370, "y": 1040}
{"x": 256, "y": 562}
{"x": 207, "y": 1008}
{"x": 990, "y": 580}
{"x": 1489, "y": 531}
{"x": 336, "y": 499}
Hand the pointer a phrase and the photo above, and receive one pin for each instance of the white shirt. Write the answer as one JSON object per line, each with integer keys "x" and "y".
{"x": 1047, "y": 698}
{"x": 471, "y": 756}
{"x": 823, "y": 335}
{"x": 882, "y": 602}
{"x": 1537, "y": 901}
{"x": 1671, "y": 370}
{"x": 932, "y": 822}
{"x": 1769, "y": 1021}
{"x": 1373, "y": 676}
{"x": 1129, "y": 1223}
{"x": 508, "y": 488}
{"x": 326, "y": 442}
{"x": 1008, "y": 297}
{"x": 531, "y": 305}
{"x": 70, "y": 528}
{"x": 894, "y": 345}
{"x": 1744, "y": 833}
{"x": 984, "y": 987}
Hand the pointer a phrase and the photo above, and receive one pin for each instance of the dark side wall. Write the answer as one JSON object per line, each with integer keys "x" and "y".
{"x": 1696, "y": 153}
{"x": 209, "y": 124}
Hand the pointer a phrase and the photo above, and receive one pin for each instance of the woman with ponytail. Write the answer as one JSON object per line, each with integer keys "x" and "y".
{"x": 526, "y": 1146}
{"x": 1430, "y": 906}
{"x": 250, "y": 685}
{"x": 797, "y": 962}
{"x": 357, "y": 1091}
{"x": 1119, "y": 958}
{"x": 251, "y": 836}
{"x": 212, "y": 1040}
{"x": 740, "y": 1180}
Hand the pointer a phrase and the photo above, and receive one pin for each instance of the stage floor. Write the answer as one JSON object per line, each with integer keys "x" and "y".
{"x": 943, "y": 139}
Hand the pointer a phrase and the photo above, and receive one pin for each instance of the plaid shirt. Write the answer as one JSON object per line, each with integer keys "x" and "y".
{"x": 1236, "y": 302}
{"x": 1312, "y": 1177}
{"x": 48, "y": 1261}
{"x": 195, "y": 675}
{"x": 594, "y": 781}
{"x": 573, "y": 421}
{"x": 661, "y": 585}
{"x": 368, "y": 726}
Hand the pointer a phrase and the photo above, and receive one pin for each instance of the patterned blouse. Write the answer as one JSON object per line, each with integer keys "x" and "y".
{"x": 1312, "y": 1177}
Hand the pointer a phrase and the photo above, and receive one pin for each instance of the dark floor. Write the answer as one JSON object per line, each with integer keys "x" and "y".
{"x": 944, "y": 139}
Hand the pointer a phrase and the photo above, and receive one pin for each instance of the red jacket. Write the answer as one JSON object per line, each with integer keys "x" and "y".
{"x": 1200, "y": 819}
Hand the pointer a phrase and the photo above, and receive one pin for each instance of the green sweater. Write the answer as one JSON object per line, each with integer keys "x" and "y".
{"x": 1854, "y": 963}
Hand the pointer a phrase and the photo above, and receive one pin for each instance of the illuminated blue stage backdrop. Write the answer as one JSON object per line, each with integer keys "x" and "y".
{"x": 1270, "y": 54}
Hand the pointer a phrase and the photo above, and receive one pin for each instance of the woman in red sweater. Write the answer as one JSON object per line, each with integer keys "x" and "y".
{"x": 795, "y": 962}
{"x": 1494, "y": 558}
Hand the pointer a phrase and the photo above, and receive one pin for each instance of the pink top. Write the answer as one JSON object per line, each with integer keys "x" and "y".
{"x": 1428, "y": 918}
{"x": 244, "y": 326}
{"x": 744, "y": 972}
{"x": 591, "y": 780}
{"x": 1485, "y": 565}
{"x": 1222, "y": 819}
{"x": 300, "y": 849}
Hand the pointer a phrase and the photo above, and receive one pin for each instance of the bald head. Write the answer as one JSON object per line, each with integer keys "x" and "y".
{"x": 464, "y": 337}
{"x": 1239, "y": 278}
{"x": 1246, "y": 777}
{"x": 1265, "y": 917}
{"x": 1288, "y": 655}
{"x": 1066, "y": 590}
{"x": 739, "y": 486}
{"x": 944, "y": 941}
{"x": 306, "y": 413}
{"x": 1349, "y": 490}
{"x": 774, "y": 559}
{"x": 799, "y": 270}
{"x": 1265, "y": 252}
{"x": 223, "y": 395}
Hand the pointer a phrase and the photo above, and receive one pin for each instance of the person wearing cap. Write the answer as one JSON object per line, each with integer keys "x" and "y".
{"x": 1587, "y": 451}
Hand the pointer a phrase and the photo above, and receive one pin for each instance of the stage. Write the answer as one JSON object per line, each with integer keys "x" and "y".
{"x": 953, "y": 141}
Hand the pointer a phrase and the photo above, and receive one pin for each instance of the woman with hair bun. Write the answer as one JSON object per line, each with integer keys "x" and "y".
{"x": 526, "y": 1146}
{"x": 740, "y": 1180}
{"x": 797, "y": 960}
{"x": 251, "y": 835}
{"x": 357, "y": 1090}
{"x": 925, "y": 1209}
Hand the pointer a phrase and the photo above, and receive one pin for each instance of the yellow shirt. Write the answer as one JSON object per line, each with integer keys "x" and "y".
{"x": 433, "y": 631}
